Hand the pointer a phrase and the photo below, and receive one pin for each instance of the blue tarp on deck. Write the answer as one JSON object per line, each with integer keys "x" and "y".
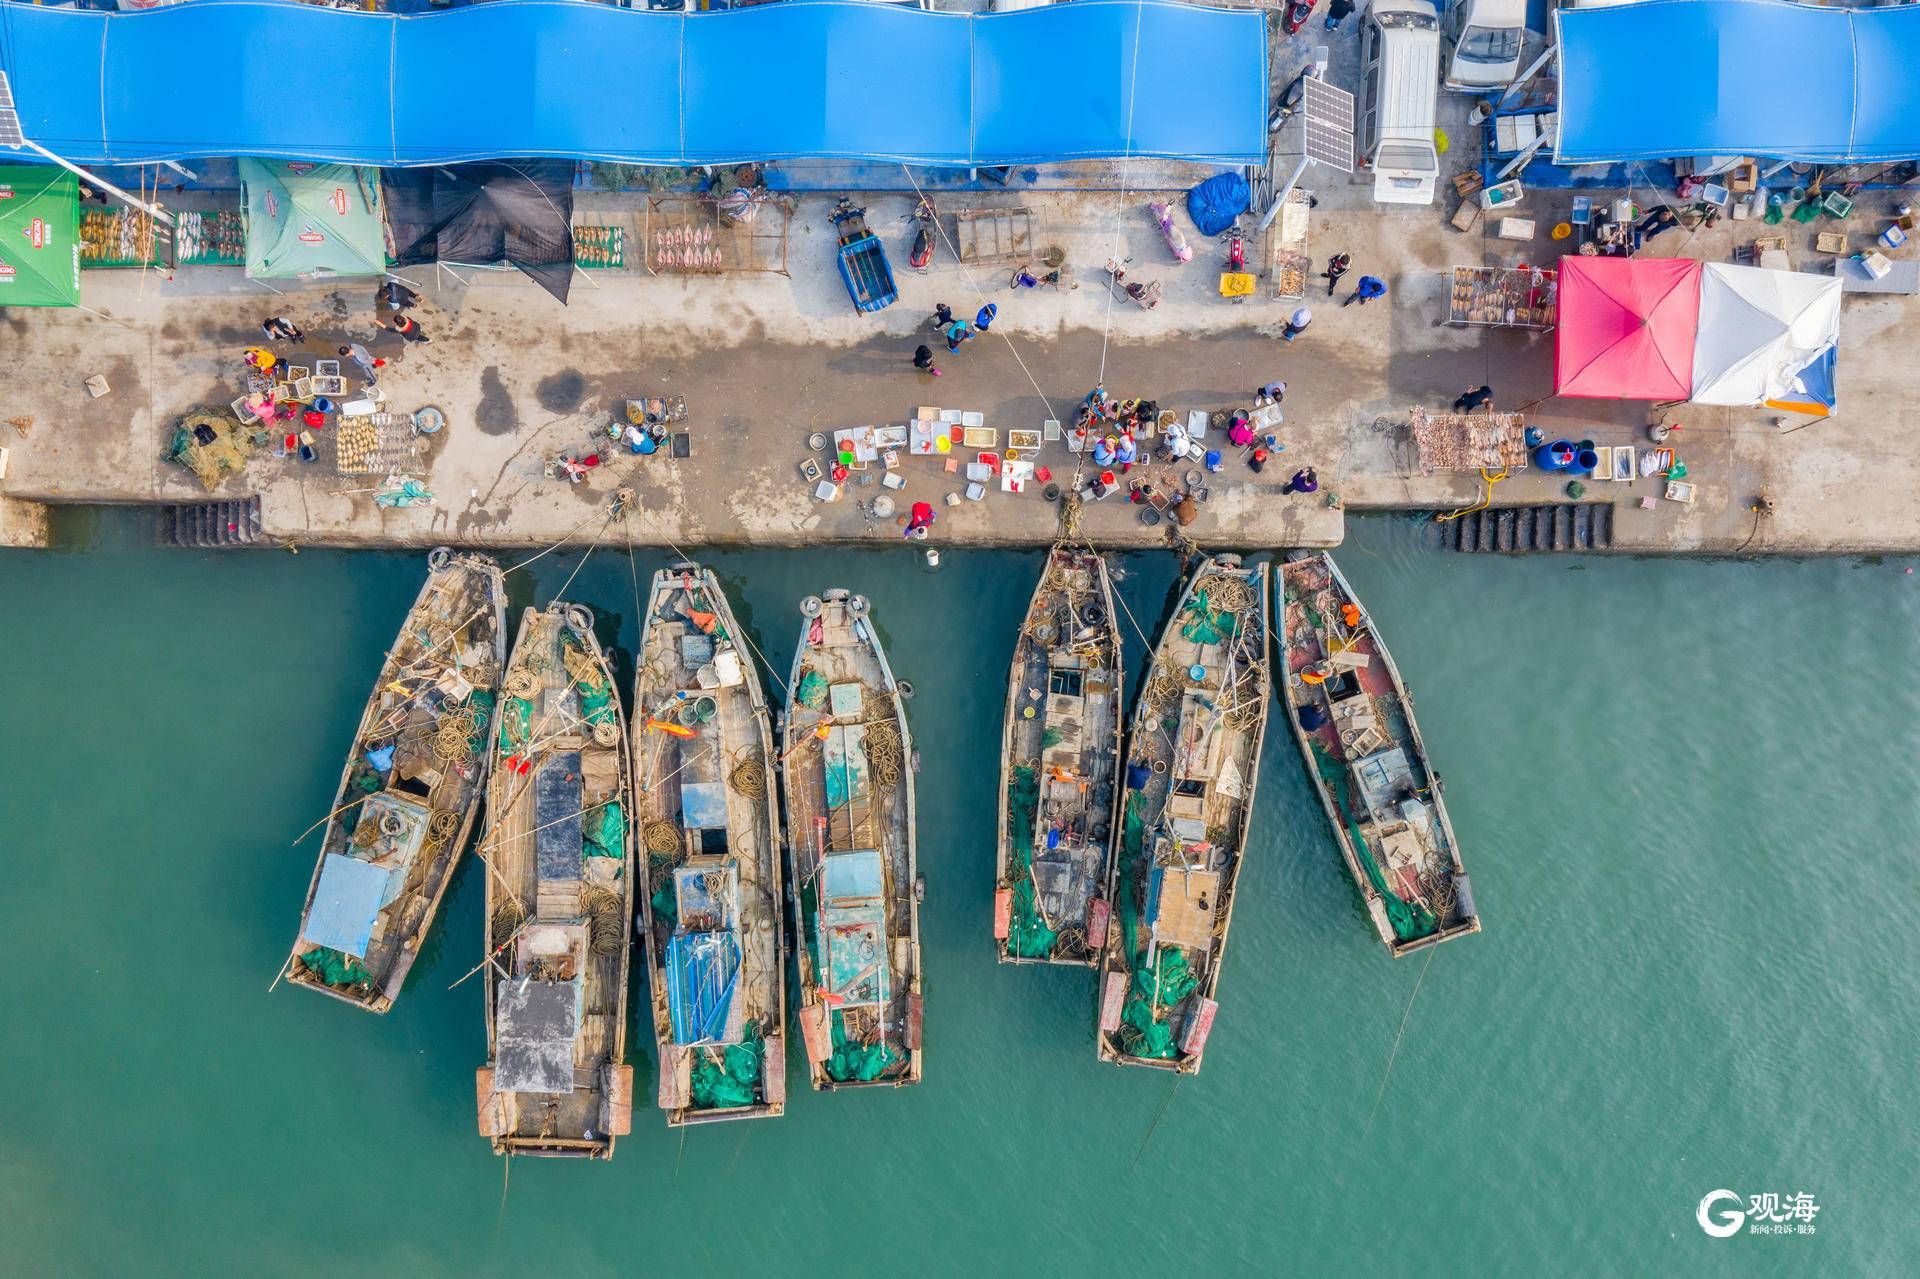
{"x": 1765, "y": 78}
{"x": 808, "y": 78}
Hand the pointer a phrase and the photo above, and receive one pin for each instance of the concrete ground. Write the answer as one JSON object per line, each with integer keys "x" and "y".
{"x": 764, "y": 360}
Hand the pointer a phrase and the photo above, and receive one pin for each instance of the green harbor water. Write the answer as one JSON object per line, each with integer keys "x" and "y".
{"x": 1687, "y": 793}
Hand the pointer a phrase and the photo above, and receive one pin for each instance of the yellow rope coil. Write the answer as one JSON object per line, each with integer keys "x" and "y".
{"x": 749, "y": 777}
{"x": 662, "y": 836}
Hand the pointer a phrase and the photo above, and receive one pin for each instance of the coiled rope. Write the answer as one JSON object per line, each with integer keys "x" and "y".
{"x": 661, "y": 836}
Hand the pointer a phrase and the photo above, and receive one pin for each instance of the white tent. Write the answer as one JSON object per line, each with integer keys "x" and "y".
{"x": 1758, "y": 330}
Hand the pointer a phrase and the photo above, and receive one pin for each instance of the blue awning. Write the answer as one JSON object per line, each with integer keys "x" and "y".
{"x": 1665, "y": 78}
{"x": 845, "y": 79}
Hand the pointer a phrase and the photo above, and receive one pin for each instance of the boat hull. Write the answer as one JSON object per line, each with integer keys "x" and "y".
{"x": 558, "y": 853}
{"x": 1429, "y": 876}
{"x": 455, "y": 635}
{"x": 1059, "y": 768}
{"x": 847, "y": 772}
{"x": 1192, "y": 764}
{"x": 704, "y": 778}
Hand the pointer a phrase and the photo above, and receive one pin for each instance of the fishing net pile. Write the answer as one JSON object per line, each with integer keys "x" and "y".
{"x": 1153, "y": 989}
{"x": 335, "y": 968}
{"x": 729, "y": 1077}
{"x": 857, "y": 1058}
{"x": 1028, "y": 934}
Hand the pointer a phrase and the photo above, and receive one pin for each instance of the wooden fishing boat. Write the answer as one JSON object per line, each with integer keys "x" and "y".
{"x": 559, "y": 898}
{"x": 1059, "y": 768}
{"x": 1354, "y": 722}
{"x": 847, "y": 764}
{"x": 1193, "y": 757}
{"x": 410, "y": 790}
{"x": 712, "y": 916}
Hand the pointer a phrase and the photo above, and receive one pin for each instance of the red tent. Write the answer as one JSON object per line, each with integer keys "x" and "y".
{"x": 1626, "y": 328}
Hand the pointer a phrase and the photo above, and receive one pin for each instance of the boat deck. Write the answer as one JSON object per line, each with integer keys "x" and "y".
{"x": 1060, "y": 763}
{"x": 704, "y": 787}
{"x": 1365, "y": 757}
{"x": 559, "y": 899}
{"x": 1197, "y": 731}
{"x": 431, "y": 708}
{"x": 850, "y": 792}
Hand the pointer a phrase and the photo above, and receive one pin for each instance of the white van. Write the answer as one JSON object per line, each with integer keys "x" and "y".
{"x": 1399, "y": 91}
{"x": 1483, "y": 43}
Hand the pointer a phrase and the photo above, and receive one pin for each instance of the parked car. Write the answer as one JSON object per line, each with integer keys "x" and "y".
{"x": 1483, "y": 40}
{"x": 1399, "y": 93}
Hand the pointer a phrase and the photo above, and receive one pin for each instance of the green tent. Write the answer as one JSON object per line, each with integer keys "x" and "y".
{"x": 39, "y": 236}
{"x": 312, "y": 219}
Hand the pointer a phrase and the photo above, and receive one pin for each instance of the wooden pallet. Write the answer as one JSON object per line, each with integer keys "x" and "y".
{"x": 995, "y": 236}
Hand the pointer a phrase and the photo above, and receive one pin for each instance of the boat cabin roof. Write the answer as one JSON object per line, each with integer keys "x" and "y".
{"x": 355, "y": 885}
{"x": 1181, "y": 905}
{"x": 538, "y": 1021}
{"x": 852, "y": 877}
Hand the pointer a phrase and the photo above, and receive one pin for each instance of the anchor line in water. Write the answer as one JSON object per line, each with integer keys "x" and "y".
{"x": 1395, "y": 1051}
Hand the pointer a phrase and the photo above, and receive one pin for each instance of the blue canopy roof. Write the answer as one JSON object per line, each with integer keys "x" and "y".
{"x": 809, "y": 78}
{"x": 1765, "y": 78}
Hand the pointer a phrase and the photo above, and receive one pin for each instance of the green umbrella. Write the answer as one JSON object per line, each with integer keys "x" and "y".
{"x": 312, "y": 219}
{"x": 39, "y": 236}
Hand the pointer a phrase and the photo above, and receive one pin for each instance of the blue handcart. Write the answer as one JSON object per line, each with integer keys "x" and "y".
{"x": 863, "y": 260}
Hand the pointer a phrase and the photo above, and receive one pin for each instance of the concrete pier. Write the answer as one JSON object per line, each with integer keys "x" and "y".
{"x": 765, "y": 360}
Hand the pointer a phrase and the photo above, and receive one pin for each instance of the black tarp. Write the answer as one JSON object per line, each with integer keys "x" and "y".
{"x": 517, "y": 212}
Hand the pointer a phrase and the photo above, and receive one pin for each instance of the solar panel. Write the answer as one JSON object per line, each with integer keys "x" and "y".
{"x": 10, "y": 135}
{"x": 1328, "y": 112}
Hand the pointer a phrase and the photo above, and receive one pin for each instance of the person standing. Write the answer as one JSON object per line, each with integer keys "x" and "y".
{"x": 279, "y": 326}
{"x": 923, "y": 359}
{"x": 942, "y": 317}
{"x": 984, "y": 320}
{"x": 409, "y": 328}
{"x": 1337, "y": 12}
{"x": 919, "y": 521}
{"x": 361, "y": 356}
{"x": 393, "y": 295}
{"x": 1337, "y": 266}
{"x": 1472, "y": 398}
{"x": 1297, "y": 323}
{"x": 957, "y": 332}
{"x": 1303, "y": 481}
{"x": 1369, "y": 288}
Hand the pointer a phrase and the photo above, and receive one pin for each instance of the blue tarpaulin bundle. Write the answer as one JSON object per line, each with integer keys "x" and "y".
{"x": 1215, "y": 203}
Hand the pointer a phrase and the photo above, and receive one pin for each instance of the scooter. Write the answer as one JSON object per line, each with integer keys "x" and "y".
{"x": 1297, "y": 14}
{"x": 1176, "y": 238}
{"x": 1289, "y": 103}
{"x": 920, "y": 256}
